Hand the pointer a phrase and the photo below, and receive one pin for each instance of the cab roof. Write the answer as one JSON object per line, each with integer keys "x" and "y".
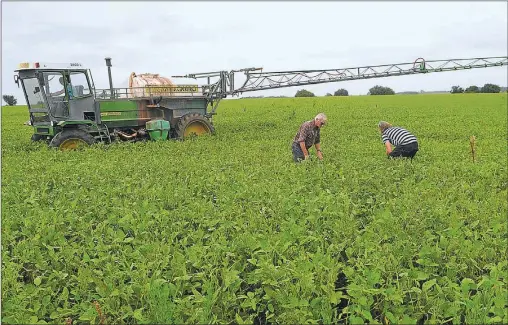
{"x": 49, "y": 66}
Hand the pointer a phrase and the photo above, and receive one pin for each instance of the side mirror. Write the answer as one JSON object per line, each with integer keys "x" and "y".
{"x": 16, "y": 80}
{"x": 37, "y": 89}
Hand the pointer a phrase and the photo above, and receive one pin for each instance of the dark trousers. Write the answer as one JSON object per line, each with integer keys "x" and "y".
{"x": 408, "y": 151}
{"x": 297, "y": 152}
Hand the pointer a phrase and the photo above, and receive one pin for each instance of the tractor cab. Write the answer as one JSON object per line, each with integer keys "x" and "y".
{"x": 56, "y": 93}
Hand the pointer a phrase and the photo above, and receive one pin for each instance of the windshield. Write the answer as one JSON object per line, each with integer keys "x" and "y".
{"x": 33, "y": 93}
{"x": 35, "y": 99}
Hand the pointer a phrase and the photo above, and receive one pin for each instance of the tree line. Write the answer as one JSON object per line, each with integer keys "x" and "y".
{"x": 381, "y": 90}
{"x": 376, "y": 90}
{"x": 487, "y": 88}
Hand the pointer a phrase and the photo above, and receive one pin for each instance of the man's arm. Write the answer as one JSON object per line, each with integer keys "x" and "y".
{"x": 304, "y": 150}
{"x": 319, "y": 153}
{"x": 388, "y": 147}
{"x": 304, "y": 130}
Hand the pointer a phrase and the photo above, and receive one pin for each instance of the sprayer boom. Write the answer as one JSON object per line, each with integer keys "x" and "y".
{"x": 279, "y": 79}
{"x": 258, "y": 80}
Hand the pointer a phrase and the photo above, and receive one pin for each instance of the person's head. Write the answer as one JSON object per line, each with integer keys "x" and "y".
{"x": 320, "y": 120}
{"x": 382, "y": 125}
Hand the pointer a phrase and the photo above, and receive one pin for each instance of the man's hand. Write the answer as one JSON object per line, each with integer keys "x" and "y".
{"x": 318, "y": 150}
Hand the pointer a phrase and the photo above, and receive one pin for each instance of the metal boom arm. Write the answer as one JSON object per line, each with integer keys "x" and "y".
{"x": 279, "y": 79}
{"x": 270, "y": 80}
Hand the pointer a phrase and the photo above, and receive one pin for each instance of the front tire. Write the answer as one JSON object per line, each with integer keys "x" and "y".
{"x": 72, "y": 139}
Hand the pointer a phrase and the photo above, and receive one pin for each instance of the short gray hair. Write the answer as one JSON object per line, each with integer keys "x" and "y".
{"x": 384, "y": 125}
{"x": 322, "y": 117}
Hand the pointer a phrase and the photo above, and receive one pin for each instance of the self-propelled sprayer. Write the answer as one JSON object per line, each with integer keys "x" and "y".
{"x": 67, "y": 111}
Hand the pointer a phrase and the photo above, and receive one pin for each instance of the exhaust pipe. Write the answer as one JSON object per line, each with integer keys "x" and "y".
{"x": 126, "y": 136}
{"x": 108, "y": 64}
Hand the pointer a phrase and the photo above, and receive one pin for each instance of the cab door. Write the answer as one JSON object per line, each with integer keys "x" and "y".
{"x": 81, "y": 98}
{"x": 54, "y": 84}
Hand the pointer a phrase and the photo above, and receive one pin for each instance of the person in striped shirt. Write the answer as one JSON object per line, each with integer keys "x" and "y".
{"x": 406, "y": 144}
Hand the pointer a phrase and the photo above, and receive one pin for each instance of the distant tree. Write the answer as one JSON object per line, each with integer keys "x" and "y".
{"x": 304, "y": 93}
{"x": 472, "y": 89}
{"x": 328, "y": 94}
{"x": 10, "y": 100}
{"x": 341, "y": 92}
{"x": 457, "y": 90}
{"x": 380, "y": 90}
{"x": 490, "y": 88}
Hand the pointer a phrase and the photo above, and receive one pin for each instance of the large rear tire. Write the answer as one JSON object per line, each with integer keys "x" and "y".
{"x": 193, "y": 124}
{"x": 72, "y": 139}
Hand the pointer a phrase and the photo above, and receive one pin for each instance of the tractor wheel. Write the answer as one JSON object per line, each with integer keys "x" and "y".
{"x": 71, "y": 139}
{"x": 195, "y": 124}
{"x": 38, "y": 137}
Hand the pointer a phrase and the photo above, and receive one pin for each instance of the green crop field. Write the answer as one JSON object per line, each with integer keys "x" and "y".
{"x": 227, "y": 229}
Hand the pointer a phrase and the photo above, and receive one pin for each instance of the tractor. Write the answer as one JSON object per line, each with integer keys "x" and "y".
{"x": 68, "y": 112}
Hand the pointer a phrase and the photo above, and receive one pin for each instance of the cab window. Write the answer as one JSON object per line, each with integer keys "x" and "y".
{"x": 79, "y": 84}
{"x": 54, "y": 84}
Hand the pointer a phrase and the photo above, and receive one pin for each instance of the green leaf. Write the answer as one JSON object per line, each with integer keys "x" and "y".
{"x": 427, "y": 285}
{"x": 270, "y": 292}
{"x": 467, "y": 284}
{"x": 366, "y": 315}
{"x": 408, "y": 320}
{"x": 495, "y": 320}
{"x": 46, "y": 300}
{"x": 65, "y": 294}
{"x": 89, "y": 315}
{"x": 420, "y": 275}
{"x": 335, "y": 297}
{"x": 37, "y": 281}
{"x": 354, "y": 320}
{"x": 138, "y": 314}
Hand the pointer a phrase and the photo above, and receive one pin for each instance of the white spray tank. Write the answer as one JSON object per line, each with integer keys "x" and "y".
{"x": 147, "y": 81}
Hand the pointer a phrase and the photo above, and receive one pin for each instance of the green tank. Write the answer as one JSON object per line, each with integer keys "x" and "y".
{"x": 158, "y": 129}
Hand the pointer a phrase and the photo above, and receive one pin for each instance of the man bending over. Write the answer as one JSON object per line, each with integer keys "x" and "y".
{"x": 406, "y": 144}
{"x": 307, "y": 136}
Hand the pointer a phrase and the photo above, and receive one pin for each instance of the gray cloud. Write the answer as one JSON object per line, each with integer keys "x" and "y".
{"x": 174, "y": 38}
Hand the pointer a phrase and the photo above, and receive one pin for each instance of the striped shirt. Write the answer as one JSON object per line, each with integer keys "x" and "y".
{"x": 398, "y": 136}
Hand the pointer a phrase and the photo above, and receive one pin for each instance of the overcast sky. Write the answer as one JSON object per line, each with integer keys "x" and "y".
{"x": 175, "y": 38}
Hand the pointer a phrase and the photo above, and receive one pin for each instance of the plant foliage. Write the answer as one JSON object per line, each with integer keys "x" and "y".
{"x": 226, "y": 228}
